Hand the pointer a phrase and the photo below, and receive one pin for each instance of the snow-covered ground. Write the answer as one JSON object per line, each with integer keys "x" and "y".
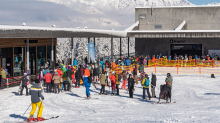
{"x": 197, "y": 100}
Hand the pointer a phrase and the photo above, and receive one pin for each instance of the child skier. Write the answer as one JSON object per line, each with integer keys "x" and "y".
{"x": 112, "y": 78}
{"x": 35, "y": 92}
{"x": 131, "y": 85}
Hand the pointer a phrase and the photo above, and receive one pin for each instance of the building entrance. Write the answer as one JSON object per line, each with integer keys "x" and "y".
{"x": 189, "y": 49}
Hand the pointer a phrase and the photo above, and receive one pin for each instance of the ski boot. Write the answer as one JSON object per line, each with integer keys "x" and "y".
{"x": 159, "y": 102}
{"x": 89, "y": 97}
{"x": 40, "y": 119}
{"x": 31, "y": 119}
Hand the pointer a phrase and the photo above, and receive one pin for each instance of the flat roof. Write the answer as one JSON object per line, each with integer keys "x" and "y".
{"x": 189, "y": 6}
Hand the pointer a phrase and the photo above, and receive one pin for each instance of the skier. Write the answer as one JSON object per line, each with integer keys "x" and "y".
{"x": 112, "y": 78}
{"x": 117, "y": 82}
{"x": 69, "y": 74}
{"x": 35, "y": 92}
{"x": 48, "y": 78}
{"x": 86, "y": 83}
{"x": 82, "y": 71}
{"x": 95, "y": 74}
{"x": 56, "y": 80}
{"x": 135, "y": 74}
{"x": 169, "y": 82}
{"x": 40, "y": 78}
{"x": 145, "y": 84}
{"x": 141, "y": 68}
{"x": 24, "y": 81}
{"x": 153, "y": 84}
{"x": 131, "y": 85}
{"x": 78, "y": 76}
{"x": 102, "y": 82}
{"x": 124, "y": 76}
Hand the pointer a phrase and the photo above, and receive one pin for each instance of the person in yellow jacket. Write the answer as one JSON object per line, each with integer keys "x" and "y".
{"x": 145, "y": 83}
{"x": 35, "y": 92}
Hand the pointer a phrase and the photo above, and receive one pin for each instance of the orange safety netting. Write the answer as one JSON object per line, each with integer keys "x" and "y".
{"x": 164, "y": 66}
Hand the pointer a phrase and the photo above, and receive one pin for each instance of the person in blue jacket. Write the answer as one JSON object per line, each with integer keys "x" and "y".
{"x": 128, "y": 62}
{"x": 86, "y": 82}
{"x": 145, "y": 84}
{"x": 75, "y": 62}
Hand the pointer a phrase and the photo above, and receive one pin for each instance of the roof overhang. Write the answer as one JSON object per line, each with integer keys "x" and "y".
{"x": 51, "y": 32}
{"x": 175, "y": 34}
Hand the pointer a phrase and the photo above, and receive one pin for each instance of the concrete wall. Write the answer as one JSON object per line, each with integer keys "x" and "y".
{"x": 197, "y": 18}
{"x": 154, "y": 46}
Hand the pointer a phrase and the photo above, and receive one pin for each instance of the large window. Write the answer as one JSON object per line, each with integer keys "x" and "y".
{"x": 41, "y": 58}
{"x": 19, "y": 54}
{"x": 142, "y": 16}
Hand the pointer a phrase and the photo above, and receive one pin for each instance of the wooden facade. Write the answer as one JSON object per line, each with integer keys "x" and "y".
{"x": 21, "y": 42}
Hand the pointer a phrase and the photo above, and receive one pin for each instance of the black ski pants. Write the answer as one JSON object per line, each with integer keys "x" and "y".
{"x": 48, "y": 87}
{"x": 24, "y": 86}
{"x": 102, "y": 89}
{"x": 148, "y": 93}
{"x": 117, "y": 88}
{"x": 77, "y": 83}
{"x": 56, "y": 88}
{"x": 131, "y": 92}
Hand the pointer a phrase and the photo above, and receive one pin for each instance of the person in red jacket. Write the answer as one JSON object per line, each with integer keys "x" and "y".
{"x": 73, "y": 75}
{"x": 112, "y": 78}
{"x": 60, "y": 73}
{"x": 48, "y": 78}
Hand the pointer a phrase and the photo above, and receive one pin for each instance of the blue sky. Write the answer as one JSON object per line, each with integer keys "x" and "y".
{"x": 201, "y": 2}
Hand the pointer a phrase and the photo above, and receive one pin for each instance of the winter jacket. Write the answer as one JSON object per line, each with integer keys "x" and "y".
{"x": 135, "y": 71}
{"x": 145, "y": 82}
{"x": 35, "y": 92}
{"x": 69, "y": 74}
{"x": 40, "y": 77}
{"x": 64, "y": 71}
{"x": 56, "y": 79}
{"x": 141, "y": 68}
{"x": 60, "y": 73}
{"x": 3, "y": 73}
{"x": 154, "y": 80}
{"x": 131, "y": 83}
{"x": 86, "y": 82}
{"x": 82, "y": 71}
{"x": 127, "y": 62}
{"x": 48, "y": 77}
{"x": 113, "y": 65}
{"x": 45, "y": 72}
{"x": 124, "y": 75}
{"x": 95, "y": 72}
{"x": 78, "y": 74}
{"x": 112, "y": 78}
{"x": 117, "y": 81}
{"x": 103, "y": 78}
{"x": 145, "y": 61}
{"x": 87, "y": 73}
{"x": 24, "y": 80}
{"x": 170, "y": 81}
{"x": 75, "y": 62}
{"x": 73, "y": 76}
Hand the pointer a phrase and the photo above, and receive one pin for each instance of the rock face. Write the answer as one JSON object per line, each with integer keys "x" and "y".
{"x": 102, "y": 48}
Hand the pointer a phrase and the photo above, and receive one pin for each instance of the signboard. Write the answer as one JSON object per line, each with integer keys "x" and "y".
{"x": 213, "y": 53}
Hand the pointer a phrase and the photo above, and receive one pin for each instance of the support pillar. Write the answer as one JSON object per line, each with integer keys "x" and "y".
{"x": 72, "y": 51}
{"x": 52, "y": 54}
{"x": 94, "y": 47}
{"x": 88, "y": 51}
{"x": 120, "y": 46}
{"x": 128, "y": 46}
{"x": 112, "y": 49}
{"x": 27, "y": 42}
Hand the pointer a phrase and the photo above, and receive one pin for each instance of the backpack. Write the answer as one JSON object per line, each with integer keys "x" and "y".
{"x": 146, "y": 82}
{"x": 90, "y": 79}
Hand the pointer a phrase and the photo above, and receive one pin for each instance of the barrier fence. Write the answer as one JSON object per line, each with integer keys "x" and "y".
{"x": 164, "y": 66}
{"x": 12, "y": 81}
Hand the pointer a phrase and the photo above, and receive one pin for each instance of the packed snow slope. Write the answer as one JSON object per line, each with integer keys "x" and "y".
{"x": 197, "y": 100}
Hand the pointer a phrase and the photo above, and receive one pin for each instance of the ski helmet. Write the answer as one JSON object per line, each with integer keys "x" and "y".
{"x": 168, "y": 74}
{"x": 153, "y": 73}
{"x": 146, "y": 75}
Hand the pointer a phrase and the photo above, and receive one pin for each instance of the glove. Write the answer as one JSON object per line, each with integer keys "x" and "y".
{"x": 43, "y": 98}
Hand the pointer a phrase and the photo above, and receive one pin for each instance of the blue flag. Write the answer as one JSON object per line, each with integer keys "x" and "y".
{"x": 91, "y": 49}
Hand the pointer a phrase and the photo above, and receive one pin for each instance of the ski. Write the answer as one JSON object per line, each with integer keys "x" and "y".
{"x": 90, "y": 99}
{"x": 164, "y": 103}
{"x": 39, "y": 120}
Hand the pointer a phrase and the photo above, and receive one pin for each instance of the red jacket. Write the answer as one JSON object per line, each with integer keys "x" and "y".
{"x": 112, "y": 77}
{"x": 59, "y": 72}
{"x": 48, "y": 78}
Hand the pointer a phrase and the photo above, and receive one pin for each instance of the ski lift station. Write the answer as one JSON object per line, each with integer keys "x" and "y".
{"x": 167, "y": 30}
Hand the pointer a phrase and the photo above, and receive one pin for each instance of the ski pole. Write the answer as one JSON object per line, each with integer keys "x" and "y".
{"x": 25, "y": 111}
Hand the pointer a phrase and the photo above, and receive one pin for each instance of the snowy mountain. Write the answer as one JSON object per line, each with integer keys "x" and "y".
{"x": 215, "y": 3}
